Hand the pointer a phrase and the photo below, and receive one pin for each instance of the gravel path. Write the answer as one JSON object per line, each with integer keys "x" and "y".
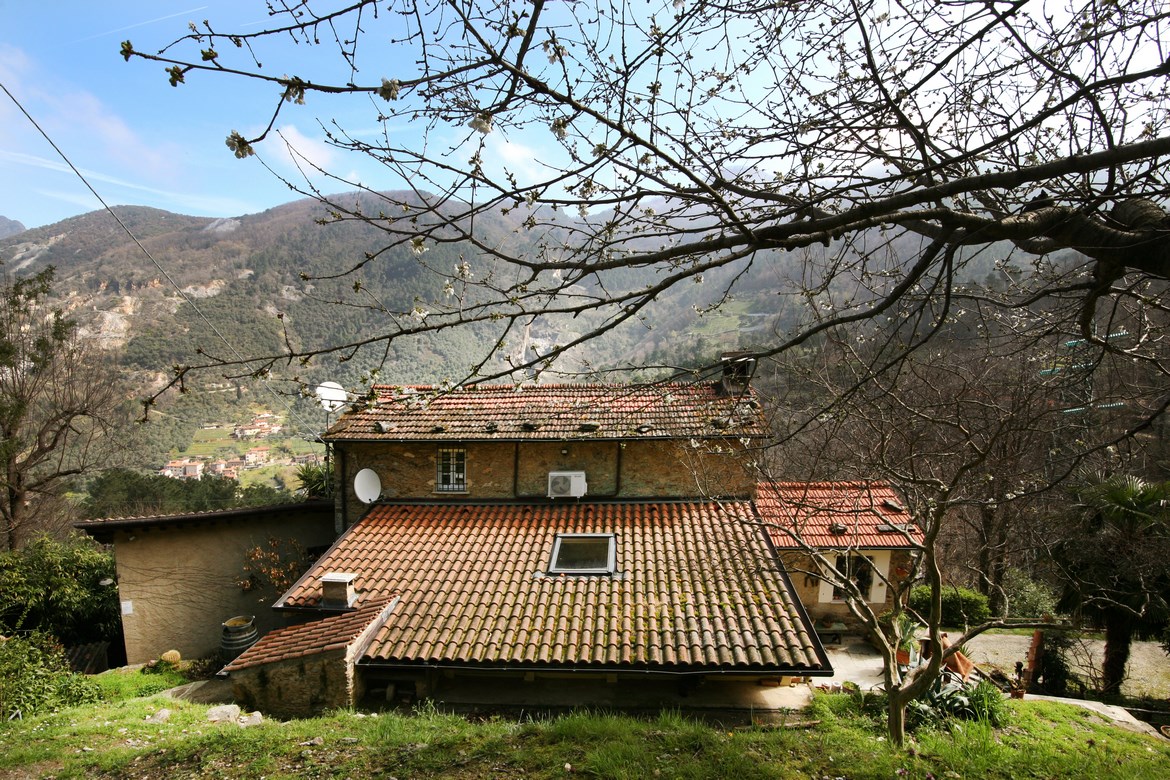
{"x": 1148, "y": 672}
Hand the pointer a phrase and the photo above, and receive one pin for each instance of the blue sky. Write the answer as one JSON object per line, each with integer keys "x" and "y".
{"x": 138, "y": 140}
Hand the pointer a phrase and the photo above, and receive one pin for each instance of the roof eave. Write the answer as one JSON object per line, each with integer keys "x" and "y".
{"x": 666, "y": 670}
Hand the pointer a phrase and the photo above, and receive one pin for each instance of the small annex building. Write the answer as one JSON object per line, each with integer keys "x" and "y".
{"x": 178, "y": 575}
{"x": 861, "y": 529}
{"x": 538, "y": 532}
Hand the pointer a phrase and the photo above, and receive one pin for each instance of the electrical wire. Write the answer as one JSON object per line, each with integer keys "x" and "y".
{"x": 186, "y": 298}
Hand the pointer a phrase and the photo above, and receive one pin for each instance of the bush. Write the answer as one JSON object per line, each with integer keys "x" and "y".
{"x": 57, "y": 588}
{"x": 35, "y": 676}
{"x": 960, "y": 606}
{"x": 316, "y": 480}
{"x": 1026, "y": 597}
{"x": 953, "y": 700}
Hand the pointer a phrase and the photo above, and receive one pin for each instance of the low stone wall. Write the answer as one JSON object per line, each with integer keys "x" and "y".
{"x": 299, "y": 687}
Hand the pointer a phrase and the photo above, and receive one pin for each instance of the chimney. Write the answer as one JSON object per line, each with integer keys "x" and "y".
{"x": 337, "y": 590}
{"x": 738, "y": 368}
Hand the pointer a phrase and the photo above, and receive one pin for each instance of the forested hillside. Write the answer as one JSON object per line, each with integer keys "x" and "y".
{"x": 261, "y": 283}
{"x": 242, "y": 279}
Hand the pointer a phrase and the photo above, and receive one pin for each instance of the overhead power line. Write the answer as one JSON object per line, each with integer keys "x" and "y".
{"x": 231, "y": 347}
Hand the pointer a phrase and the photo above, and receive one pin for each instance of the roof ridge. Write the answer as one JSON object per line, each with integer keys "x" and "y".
{"x": 550, "y": 386}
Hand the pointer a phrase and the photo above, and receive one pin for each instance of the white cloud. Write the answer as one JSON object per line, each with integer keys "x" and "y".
{"x": 116, "y": 142}
{"x": 145, "y": 23}
{"x": 117, "y": 191}
{"x": 297, "y": 151}
{"x": 521, "y": 159}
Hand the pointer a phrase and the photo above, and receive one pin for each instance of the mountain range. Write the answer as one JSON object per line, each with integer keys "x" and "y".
{"x": 185, "y": 286}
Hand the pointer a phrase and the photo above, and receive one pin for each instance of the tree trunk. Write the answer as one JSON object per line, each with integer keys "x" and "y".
{"x": 10, "y": 515}
{"x": 993, "y": 538}
{"x": 1119, "y": 624}
{"x": 896, "y": 718}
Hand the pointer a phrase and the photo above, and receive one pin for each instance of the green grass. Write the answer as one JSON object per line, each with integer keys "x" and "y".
{"x": 113, "y": 740}
{"x": 120, "y": 684}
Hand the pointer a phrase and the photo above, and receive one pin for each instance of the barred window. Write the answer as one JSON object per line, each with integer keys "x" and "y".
{"x": 451, "y": 470}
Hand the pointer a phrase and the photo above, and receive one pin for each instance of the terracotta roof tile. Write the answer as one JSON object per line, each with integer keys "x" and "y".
{"x": 835, "y": 515}
{"x": 697, "y": 588}
{"x": 557, "y": 412}
{"x": 330, "y": 633}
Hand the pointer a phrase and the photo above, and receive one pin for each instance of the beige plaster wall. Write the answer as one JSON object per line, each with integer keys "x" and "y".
{"x": 178, "y": 584}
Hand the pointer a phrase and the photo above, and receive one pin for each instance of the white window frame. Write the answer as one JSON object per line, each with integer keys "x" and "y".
{"x": 880, "y": 559}
{"x": 611, "y": 561}
{"x": 447, "y": 468}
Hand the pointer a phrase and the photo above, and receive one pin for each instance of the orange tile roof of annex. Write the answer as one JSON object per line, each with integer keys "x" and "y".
{"x": 869, "y": 512}
{"x": 697, "y": 588}
{"x": 334, "y": 632}
{"x": 700, "y": 410}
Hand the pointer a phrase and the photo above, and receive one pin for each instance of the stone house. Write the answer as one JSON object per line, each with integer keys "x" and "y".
{"x": 610, "y": 535}
{"x": 535, "y": 533}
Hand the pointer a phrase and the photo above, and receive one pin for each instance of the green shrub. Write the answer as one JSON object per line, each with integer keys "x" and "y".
{"x": 1026, "y": 597}
{"x": 952, "y": 700}
{"x": 988, "y": 704}
{"x": 316, "y": 480}
{"x": 960, "y": 606}
{"x": 35, "y": 676}
{"x": 63, "y": 588}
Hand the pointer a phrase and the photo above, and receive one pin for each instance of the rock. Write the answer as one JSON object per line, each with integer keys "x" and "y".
{"x": 162, "y": 716}
{"x": 172, "y": 657}
{"x": 223, "y": 712}
{"x": 251, "y": 719}
{"x": 313, "y": 741}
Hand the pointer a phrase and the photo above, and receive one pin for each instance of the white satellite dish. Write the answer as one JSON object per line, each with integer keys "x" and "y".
{"x": 367, "y": 486}
{"x": 331, "y": 395}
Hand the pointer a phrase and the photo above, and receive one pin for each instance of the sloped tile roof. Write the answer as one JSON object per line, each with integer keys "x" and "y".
{"x": 318, "y": 636}
{"x": 865, "y": 514}
{"x": 557, "y": 412}
{"x": 102, "y": 529}
{"x": 697, "y": 588}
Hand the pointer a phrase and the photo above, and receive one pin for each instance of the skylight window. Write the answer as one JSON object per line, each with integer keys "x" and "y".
{"x": 583, "y": 554}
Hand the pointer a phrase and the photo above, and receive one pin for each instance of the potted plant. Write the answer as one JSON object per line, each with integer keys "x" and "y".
{"x": 905, "y": 638}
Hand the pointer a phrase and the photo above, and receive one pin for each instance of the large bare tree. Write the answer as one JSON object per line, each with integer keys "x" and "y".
{"x": 963, "y": 431}
{"x": 690, "y": 136}
{"x": 918, "y": 162}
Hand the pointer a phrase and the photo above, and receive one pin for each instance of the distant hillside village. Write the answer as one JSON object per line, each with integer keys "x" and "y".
{"x": 263, "y": 426}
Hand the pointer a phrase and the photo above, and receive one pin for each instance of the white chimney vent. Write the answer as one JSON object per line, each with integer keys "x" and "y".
{"x": 337, "y": 590}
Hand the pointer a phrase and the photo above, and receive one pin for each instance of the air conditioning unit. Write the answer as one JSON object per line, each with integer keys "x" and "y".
{"x": 566, "y": 484}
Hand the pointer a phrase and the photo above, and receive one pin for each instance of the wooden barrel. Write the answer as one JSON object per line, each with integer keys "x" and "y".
{"x": 239, "y": 633}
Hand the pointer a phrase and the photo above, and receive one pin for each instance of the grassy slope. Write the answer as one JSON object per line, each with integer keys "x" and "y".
{"x": 114, "y": 740}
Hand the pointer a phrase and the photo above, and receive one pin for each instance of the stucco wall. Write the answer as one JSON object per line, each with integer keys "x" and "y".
{"x": 178, "y": 584}
{"x": 507, "y": 470}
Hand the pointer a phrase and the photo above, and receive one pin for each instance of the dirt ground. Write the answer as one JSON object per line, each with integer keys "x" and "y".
{"x": 1148, "y": 671}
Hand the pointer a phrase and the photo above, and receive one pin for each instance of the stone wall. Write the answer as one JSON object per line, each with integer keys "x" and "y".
{"x": 511, "y": 470}
{"x": 297, "y": 688}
